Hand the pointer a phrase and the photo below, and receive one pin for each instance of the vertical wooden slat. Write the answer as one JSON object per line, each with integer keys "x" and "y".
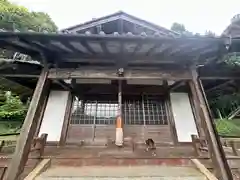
{"x": 218, "y": 154}
{"x": 29, "y": 128}
{"x": 66, "y": 120}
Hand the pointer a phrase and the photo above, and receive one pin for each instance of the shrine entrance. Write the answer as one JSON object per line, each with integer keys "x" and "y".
{"x": 144, "y": 116}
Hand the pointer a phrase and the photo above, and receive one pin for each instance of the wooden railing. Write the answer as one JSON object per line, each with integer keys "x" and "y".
{"x": 38, "y": 145}
{"x": 233, "y": 143}
{"x": 200, "y": 145}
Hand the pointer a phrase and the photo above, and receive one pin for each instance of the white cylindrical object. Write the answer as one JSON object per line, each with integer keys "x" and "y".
{"x": 119, "y": 137}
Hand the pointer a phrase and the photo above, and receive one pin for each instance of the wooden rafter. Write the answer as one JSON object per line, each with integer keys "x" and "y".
{"x": 86, "y": 45}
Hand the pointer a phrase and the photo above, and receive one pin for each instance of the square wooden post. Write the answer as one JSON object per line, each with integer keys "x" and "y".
{"x": 28, "y": 130}
{"x": 169, "y": 110}
{"x": 196, "y": 109}
{"x": 66, "y": 121}
{"x": 217, "y": 153}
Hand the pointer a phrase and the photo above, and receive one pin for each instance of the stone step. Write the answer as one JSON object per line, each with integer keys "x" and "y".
{"x": 123, "y": 178}
{"x": 122, "y": 172}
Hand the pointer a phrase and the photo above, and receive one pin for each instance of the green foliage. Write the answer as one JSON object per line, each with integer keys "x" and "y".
{"x": 227, "y": 128}
{"x": 232, "y": 59}
{"x": 7, "y": 127}
{"x": 14, "y": 17}
{"x": 225, "y": 103}
{"x": 180, "y": 28}
{"x": 12, "y": 109}
{"x": 18, "y": 18}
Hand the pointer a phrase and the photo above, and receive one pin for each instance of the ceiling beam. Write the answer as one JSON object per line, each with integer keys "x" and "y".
{"x": 112, "y": 74}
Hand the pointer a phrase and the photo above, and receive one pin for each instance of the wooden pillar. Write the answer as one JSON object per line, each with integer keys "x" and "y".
{"x": 66, "y": 120}
{"x": 217, "y": 153}
{"x": 44, "y": 105}
{"x": 196, "y": 110}
{"x": 119, "y": 121}
{"x": 169, "y": 111}
{"x": 29, "y": 128}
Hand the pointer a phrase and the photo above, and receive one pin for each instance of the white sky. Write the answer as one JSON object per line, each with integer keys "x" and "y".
{"x": 196, "y": 15}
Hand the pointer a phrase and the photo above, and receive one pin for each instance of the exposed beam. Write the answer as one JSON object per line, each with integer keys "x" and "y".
{"x": 104, "y": 48}
{"x": 92, "y": 24}
{"x": 86, "y": 45}
{"x": 198, "y": 114}
{"x": 143, "y": 24}
{"x": 129, "y": 60}
{"x": 17, "y": 48}
{"x": 234, "y": 113}
{"x": 19, "y": 75}
{"x": 70, "y": 46}
{"x": 224, "y": 77}
{"x": 179, "y": 48}
{"x": 152, "y": 49}
{"x": 63, "y": 84}
{"x": 66, "y": 121}
{"x": 220, "y": 85}
{"x": 38, "y": 47}
{"x": 137, "y": 48}
{"x": 45, "y": 43}
{"x": 218, "y": 155}
{"x": 112, "y": 74}
{"x": 120, "y": 26}
{"x": 176, "y": 85}
{"x": 29, "y": 128}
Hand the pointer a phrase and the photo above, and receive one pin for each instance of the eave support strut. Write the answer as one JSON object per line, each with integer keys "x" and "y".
{"x": 215, "y": 147}
{"x": 29, "y": 129}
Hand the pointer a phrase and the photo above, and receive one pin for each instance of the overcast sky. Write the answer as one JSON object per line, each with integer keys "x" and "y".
{"x": 196, "y": 15}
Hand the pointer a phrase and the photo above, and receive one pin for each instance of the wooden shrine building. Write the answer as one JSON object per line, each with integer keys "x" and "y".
{"x": 117, "y": 77}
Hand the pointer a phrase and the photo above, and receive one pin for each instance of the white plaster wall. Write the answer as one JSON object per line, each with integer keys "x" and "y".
{"x": 54, "y": 115}
{"x": 183, "y": 116}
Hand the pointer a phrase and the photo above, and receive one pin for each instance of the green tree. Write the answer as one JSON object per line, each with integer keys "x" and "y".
{"x": 180, "y": 28}
{"x": 18, "y": 18}
{"x": 13, "y": 108}
{"x": 14, "y": 17}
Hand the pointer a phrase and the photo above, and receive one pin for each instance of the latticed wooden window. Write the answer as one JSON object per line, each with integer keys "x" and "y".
{"x": 148, "y": 110}
{"x": 94, "y": 112}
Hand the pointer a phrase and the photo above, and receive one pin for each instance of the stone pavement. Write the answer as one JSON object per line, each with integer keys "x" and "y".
{"x": 122, "y": 173}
